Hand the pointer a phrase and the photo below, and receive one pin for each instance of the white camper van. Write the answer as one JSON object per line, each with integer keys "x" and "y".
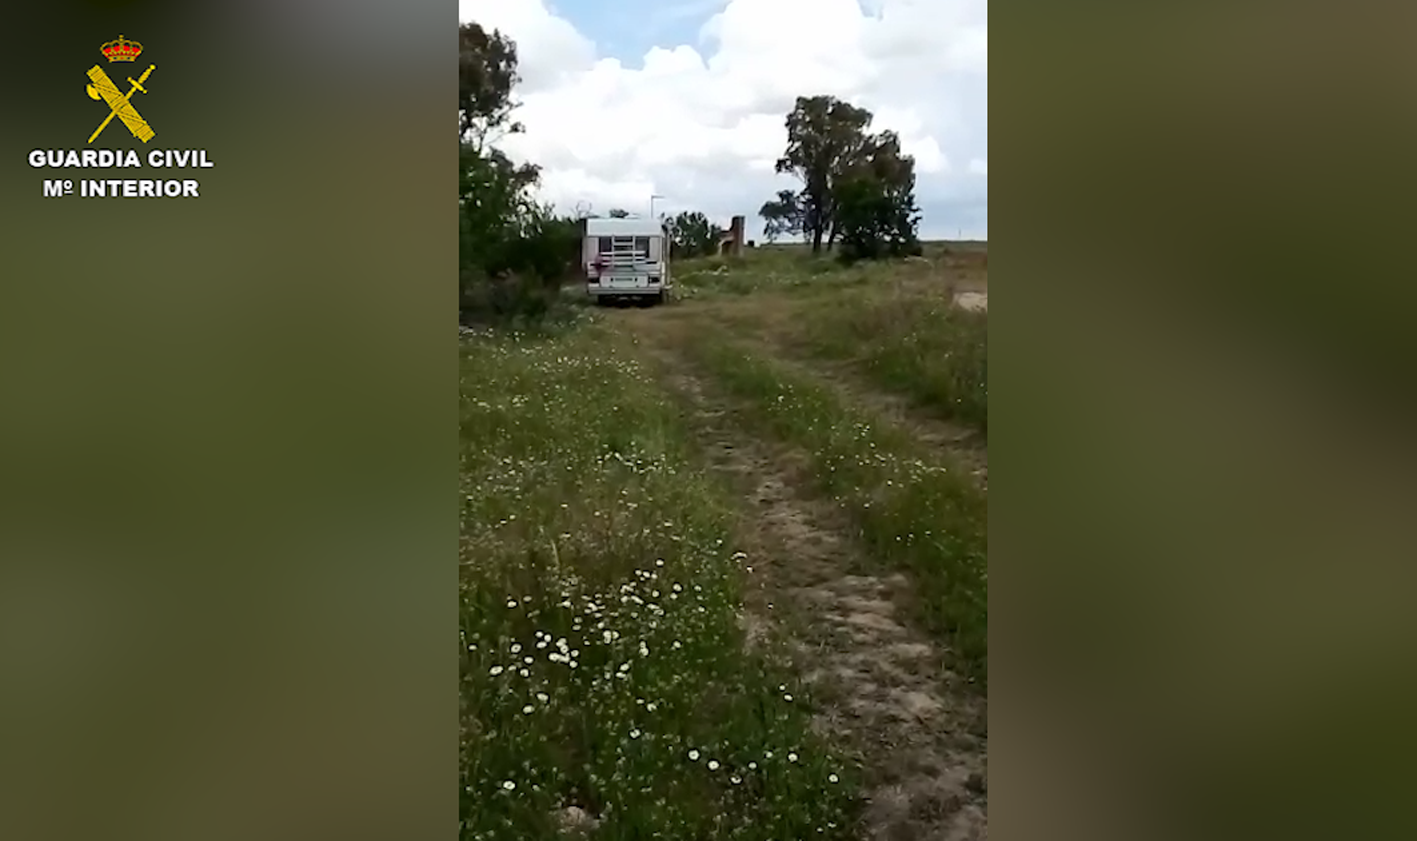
{"x": 625, "y": 258}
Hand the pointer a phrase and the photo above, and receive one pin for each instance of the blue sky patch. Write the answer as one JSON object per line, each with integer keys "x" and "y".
{"x": 628, "y": 29}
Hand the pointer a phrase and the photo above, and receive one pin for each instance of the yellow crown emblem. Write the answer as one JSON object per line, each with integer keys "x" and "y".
{"x": 122, "y": 49}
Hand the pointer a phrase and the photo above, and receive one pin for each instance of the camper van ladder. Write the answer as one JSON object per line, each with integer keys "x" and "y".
{"x": 624, "y": 251}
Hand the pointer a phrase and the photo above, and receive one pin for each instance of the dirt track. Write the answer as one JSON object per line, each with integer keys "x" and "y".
{"x": 918, "y": 730}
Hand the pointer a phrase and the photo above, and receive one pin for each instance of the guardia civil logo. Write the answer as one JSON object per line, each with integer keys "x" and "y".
{"x": 122, "y": 54}
{"x": 120, "y": 104}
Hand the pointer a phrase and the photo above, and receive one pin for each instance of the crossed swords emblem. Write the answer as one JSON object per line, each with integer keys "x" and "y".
{"x": 120, "y": 104}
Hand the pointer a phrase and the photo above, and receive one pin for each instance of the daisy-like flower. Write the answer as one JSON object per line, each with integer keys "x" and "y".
{"x": 693, "y": 756}
{"x": 508, "y": 785}
{"x": 713, "y": 764}
{"x": 833, "y": 778}
{"x": 494, "y": 671}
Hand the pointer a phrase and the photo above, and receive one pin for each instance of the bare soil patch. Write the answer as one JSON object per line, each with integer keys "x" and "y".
{"x": 972, "y": 300}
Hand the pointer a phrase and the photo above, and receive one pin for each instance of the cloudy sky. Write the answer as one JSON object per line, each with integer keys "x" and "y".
{"x": 686, "y": 98}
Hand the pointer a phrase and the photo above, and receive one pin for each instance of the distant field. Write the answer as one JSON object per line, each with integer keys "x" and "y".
{"x": 930, "y": 245}
{"x": 724, "y": 561}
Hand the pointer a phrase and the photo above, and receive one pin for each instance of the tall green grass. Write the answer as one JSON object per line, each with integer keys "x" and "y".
{"x": 912, "y": 509}
{"x": 602, "y": 665}
{"x": 765, "y": 270}
{"x": 915, "y": 343}
{"x": 894, "y": 319}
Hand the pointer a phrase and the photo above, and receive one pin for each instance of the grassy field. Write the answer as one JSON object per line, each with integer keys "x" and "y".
{"x": 723, "y": 562}
{"x": 896, "y": 324}
{"x": 908, "y": 506}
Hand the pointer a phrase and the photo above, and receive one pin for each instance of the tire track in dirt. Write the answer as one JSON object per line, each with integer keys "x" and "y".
{"x": 960, "y": 444}
{"x": 917, "y": 729}
{"x": 758, "y": 331}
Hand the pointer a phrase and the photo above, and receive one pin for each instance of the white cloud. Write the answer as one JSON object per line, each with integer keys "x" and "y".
{"x": 539, "y": 35}
{"x": 702, "y": 124}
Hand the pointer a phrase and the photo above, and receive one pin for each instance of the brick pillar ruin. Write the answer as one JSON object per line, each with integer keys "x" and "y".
{"x": 732, "y": 241}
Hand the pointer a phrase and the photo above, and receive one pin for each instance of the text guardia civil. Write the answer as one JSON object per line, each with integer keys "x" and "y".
{"x": 126, "y": 187}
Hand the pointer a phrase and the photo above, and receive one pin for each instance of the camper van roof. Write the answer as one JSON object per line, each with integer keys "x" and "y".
{"x": 629, "y": 227}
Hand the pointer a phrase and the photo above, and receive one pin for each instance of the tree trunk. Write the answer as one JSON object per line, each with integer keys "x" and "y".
{"x": 814, "y": 202}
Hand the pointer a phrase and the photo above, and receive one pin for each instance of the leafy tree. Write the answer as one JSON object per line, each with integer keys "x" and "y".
{"x": 856, "y": 186}
{"x": 875, "y": 202}
{"x": 783, "y": 216}
{"x": 693, "y": 235}
{"x": 875, "y": 222}
{"x": 512, "y": 252}
{"x": 823, "y": 133}
{"x": 487, "y": 72}
{"x": 492, "y": 191}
